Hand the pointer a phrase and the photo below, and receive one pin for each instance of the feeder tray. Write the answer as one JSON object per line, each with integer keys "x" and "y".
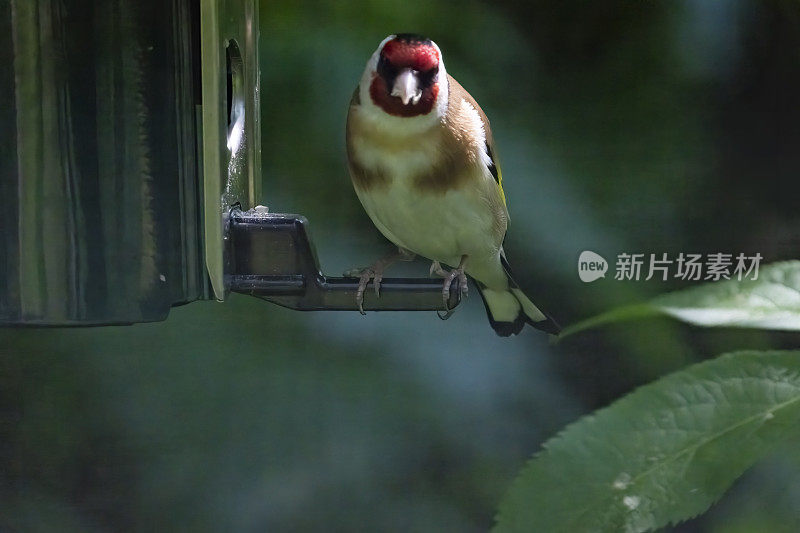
{"x": 272, "y": 257}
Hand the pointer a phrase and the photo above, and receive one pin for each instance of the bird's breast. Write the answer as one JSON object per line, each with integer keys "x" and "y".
{"x": 424, "y": 191}
{"x": 431, "y": 165}
{"x": 440, "y": 226}
{"x": 399, "y": 161}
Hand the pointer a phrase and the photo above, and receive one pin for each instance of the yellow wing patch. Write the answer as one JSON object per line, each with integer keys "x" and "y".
{"x": 500, "y": 185}
{"x": 494, "y": 169}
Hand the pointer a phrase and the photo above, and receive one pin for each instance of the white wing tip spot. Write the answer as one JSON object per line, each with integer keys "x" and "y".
{"x": 631, "y": 502}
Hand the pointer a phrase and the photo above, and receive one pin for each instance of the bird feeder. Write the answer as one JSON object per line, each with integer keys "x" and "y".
{"x": 130, "y": 169}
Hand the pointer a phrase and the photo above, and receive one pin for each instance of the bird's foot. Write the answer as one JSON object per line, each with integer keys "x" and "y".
{"x": 364, "y": 275}
{"x": 375, "y": 273}
{"x": 449, "y": 278}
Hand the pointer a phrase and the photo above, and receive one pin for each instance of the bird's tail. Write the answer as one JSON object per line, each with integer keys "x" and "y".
{"x": 509, "y": 310}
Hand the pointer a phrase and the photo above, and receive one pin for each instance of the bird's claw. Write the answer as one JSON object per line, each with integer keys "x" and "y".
{"x": 454, "y": 274}
{"x": 363, "y": 281}
{"x": 437, "y": 269}
{"x": 449, "y": 277}
{"x": 364, "y": 275}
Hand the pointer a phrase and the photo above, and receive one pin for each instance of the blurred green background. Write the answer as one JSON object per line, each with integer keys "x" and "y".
{"x": 644, "y": 127}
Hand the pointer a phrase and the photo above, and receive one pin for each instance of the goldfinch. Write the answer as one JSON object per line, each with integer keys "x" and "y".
{"x": 422, "y": 162}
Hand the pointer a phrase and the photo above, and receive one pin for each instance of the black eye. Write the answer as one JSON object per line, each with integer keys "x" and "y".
{"x": 427, "y": 77}
{"x": 386, "y": 70}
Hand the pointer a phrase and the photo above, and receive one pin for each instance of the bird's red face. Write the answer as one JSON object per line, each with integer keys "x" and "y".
{"x": 405, "y": 81}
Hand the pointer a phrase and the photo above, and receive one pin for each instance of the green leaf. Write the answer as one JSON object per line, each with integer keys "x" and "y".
{"x": 770, "y": 302}
{"x": 661, "y": 454}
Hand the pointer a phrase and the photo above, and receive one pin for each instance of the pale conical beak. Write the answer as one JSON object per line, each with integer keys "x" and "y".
{"x": 406, "y": 87}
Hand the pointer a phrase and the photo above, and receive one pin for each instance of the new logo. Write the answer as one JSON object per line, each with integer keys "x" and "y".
{"x": 591, "y": 266}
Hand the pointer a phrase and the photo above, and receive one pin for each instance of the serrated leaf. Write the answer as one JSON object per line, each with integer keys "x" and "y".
{"x": 770, "y": 302}
{"x": 661, "y": 454}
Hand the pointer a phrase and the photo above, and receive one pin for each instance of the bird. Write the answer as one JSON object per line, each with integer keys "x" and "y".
{"x": 423, "y": 164}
